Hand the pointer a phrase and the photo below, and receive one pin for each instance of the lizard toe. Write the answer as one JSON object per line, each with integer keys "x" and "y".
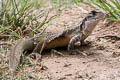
{"x": 85, "y": 43}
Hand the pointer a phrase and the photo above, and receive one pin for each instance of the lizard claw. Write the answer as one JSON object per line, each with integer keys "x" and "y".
{"x": 85, "y": 43}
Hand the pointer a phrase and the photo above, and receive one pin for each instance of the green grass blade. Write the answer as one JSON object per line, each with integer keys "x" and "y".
{"x": 109, "y": 10}
{"x": 116, "y": 3}
{"x": 98, "y": 5}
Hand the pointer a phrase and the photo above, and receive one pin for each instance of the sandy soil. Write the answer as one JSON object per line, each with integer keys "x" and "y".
{"x": 102, "y": 62}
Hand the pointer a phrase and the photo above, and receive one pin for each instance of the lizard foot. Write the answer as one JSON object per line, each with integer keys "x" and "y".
{"x": 85, "y": 43}
{"x": 35, "y": 56}
{"x": 76, "y": 51}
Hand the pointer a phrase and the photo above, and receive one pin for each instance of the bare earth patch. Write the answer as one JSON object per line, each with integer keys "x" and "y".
{"x": 102, "y": 62}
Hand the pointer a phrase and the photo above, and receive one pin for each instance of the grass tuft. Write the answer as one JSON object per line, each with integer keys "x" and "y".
{"x": 18, "y": 17}
{"x": 111, "y": 7}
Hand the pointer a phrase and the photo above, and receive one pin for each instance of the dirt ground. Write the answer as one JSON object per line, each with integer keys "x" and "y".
{"x": 102, "y": 62}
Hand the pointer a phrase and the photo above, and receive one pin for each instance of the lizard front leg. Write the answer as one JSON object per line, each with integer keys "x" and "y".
{"x": 80, "y": 37}
{"x": 74, "y": 39}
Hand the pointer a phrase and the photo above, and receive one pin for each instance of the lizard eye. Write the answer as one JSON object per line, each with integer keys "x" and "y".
{"x": 93, "y": 12}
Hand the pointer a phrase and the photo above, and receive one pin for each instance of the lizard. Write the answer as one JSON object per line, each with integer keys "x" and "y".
{"x": 51, "y": 40}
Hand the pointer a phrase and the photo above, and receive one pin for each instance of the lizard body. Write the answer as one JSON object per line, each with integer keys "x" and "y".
{"x": 52, "y": 40}
{"x": 70, "y": 36}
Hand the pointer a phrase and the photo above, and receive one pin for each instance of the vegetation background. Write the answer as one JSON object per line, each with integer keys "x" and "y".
{"x": 24, "y": 18}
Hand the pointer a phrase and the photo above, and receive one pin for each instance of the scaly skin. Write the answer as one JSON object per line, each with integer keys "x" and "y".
{"x": 52, "y": 40}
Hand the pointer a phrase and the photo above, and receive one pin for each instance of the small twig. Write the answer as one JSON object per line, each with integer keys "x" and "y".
{"x": 1, "y": 77}
{"x": 83, "y": 53}
{"x": 5, "y": 36}
{"x": 39, "y": 34}
{"x": 5, "y": 43}
{"x": 57, "y": 52}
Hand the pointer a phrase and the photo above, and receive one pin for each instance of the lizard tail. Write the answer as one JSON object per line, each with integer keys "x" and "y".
{"x": 14, "y": 57}
{"x": 17, "y": 51}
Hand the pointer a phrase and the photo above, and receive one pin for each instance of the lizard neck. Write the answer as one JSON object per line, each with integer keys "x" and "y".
{"x": 90, "y": 26}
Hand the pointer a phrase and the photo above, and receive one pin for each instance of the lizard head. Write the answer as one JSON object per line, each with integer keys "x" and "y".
{"x": 92, "y": 19}
{"x": 96, "y": 15}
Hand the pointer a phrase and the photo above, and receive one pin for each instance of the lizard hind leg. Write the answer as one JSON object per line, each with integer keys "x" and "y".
{"x": 38, "y": 50}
